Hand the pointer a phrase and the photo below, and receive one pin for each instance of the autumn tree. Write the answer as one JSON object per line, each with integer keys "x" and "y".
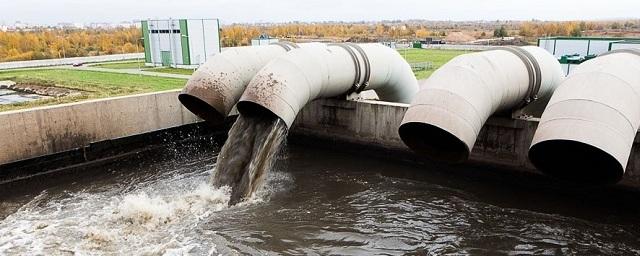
{"x": 50, "y": 43}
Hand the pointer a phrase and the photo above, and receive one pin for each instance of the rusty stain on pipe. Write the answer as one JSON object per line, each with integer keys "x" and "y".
{"x": 213, "y": 90}
{"x": 289, "y": 82}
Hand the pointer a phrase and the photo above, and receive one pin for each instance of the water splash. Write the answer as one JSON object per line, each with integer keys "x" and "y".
{"x": 250, "y": 151}
{"x": 150, "y": 218}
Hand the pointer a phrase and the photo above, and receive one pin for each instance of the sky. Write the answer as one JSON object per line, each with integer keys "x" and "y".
{"x": 251, "y": 11}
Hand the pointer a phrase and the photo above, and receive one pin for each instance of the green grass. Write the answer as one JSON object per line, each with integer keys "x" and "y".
{"x": 92, "y": 84}
{"x": 179, "y": 71}
{"x": 435, "y": 56}
{"x": 120, "y": 65}
{"x": 140, "y": 64}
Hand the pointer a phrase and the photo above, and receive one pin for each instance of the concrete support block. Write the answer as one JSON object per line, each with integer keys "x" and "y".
{"x": 49, "y": 130}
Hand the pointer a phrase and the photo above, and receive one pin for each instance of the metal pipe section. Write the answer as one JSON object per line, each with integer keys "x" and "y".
{"x": 447, "y": 114}
{"x": 215, "y": 88}
{"x": 587, "y": 130}
{"x": 290, "y": 81}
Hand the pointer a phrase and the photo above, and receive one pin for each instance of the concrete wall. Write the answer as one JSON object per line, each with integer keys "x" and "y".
{"x": 69, "y": 61}
{"x": 48, "y": 130}
{"x": 25, "y": 134}
{"x": 502, "y": 142}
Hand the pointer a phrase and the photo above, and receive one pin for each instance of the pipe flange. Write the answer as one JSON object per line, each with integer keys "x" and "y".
{"x": 360, "y": 83}
{"x": 367, "y": 67}
{"x": 356, "y": 63}
{"x": 533, "y": 69}
{"x": 288, "y": 46}
{"x": 291, "y": 44}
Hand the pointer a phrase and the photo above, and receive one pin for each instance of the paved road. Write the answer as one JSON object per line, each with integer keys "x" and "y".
{"x": 128, "y": 71}
{"x": 69, "y": 61}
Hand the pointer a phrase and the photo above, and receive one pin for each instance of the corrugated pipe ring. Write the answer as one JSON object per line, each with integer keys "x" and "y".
{"x": 533, "y": 69}
{"x": 356, "y": 63}
{"x": 292, "y": 44}
{"x": 628, "y": 50}
{"x": 288, "y": 46}
{"x": 536, "y": 68}
{"x": 367, "y": 67}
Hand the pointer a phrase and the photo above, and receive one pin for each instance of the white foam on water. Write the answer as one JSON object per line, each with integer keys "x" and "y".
{"x": 148, "y": 211}
{"x": 158, "y": 217}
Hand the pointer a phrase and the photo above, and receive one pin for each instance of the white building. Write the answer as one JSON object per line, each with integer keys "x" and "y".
{"x": 583, "y": 46}
{"x": 180, "y": 43}
{"x": 624, "y": 44}
{"x": 571, "y": 51}
{"x": 263, "y": 39}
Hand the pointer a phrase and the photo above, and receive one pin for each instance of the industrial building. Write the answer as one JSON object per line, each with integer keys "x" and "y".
{"x": 583, "y": 46}
{"x": 624, "y": 44}
{"x": 180, "y": 43}
{"x": 263, "y": 39}
{"x": 571, "y": 51}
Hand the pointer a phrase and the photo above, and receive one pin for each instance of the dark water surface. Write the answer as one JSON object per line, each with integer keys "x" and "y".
{"x": 314, "y": 202}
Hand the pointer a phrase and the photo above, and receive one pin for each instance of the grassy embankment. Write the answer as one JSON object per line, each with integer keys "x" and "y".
{"x": 91, "y": 84}
{"x": 179, "y": 71}
{"x": 120, "y": 64}
{"x": 435, "y": 56}
{"x": 140, "y": 65}
{"x": 102, "y": 84}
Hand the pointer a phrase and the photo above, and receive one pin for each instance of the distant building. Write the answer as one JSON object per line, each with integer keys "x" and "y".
{"x": 180, "y": 43}
{"x": 263, "y": 39}
{"x": 431, "y": 40}
{"x": 571, "y": 51}
{"x": 389, "y": 44}
{"x": 69, "y": 25}
{"x": 583, "y": 46}
{"x": 624, "y": 44}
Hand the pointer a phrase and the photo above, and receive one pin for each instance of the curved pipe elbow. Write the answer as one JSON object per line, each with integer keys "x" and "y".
{"x": 215, "y": 88}
{"x": 288, "y": 83}
{"x": 588, "y": 128}
{"x": 446, "y": 116}
{"x": 209, "y": 87}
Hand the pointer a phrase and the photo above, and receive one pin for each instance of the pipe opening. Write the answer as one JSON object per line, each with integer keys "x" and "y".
{"x": 434, "y": 142}
{"x": 201, "y": 108}
{"x": 248, "y": 108}
{"x": 575, "y": 161}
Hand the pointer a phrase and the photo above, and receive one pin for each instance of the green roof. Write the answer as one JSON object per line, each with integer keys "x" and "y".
{"x": 588, "y": 38}
{"x": 636, "y": 41}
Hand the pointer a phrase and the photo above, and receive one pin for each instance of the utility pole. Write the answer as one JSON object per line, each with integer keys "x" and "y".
{"x": 64, "y": 54}
{"x": 138, "y": 51}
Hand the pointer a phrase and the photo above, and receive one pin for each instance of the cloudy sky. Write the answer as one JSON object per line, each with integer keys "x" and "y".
{"x": 230, "y": 11}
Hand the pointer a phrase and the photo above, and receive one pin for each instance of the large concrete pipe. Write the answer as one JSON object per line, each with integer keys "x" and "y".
{"x": 216, "y": 86}
{"x": 587, "y": 130}
{"x": 446, "y": 116}
{"x": 287, "y": 83}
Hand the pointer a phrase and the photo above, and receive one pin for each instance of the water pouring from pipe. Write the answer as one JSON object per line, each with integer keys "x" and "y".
{"x": 278, "y": 91}
{"x": 248, "y": 154}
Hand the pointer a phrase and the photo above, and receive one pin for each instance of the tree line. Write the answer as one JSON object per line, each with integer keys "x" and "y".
{"x": 241, "y": 34}
{"x": 50, "y": 43}
{"x": 577, "y": 28}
